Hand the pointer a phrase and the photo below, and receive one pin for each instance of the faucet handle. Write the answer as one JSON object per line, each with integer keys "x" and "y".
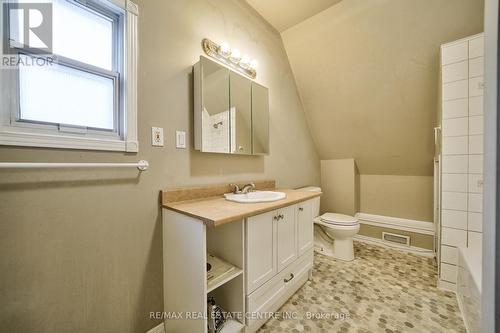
{"x": 236, "y": 188}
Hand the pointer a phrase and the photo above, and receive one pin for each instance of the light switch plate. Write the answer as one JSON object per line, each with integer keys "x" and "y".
{"x": 157, "y": 136}
{"x": 180, "y": 139}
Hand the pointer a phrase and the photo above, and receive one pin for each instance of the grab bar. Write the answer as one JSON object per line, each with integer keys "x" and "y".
{"x": 142, "y": 165}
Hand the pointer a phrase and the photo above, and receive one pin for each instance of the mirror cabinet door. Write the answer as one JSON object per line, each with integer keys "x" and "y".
{"x": 215, "y": 124}
{"x": 260, "y": 119}
{"x": 240, "y": 96}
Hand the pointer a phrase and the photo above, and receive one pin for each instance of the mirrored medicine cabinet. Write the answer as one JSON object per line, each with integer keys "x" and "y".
{"x": 231, "y": 112}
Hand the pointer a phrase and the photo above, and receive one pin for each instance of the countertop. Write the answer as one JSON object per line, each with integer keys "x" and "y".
{"x": 215, "y": 211}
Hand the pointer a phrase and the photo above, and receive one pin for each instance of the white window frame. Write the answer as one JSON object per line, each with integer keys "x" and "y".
{"x": 12, "y": 133}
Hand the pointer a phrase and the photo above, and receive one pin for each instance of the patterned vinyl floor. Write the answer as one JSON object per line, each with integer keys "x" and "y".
{"x": 382, "y": 290}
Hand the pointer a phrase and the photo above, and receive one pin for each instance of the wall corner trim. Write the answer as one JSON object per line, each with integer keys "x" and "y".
{"x": 157, "y": 329}
{"x": 421, "y": 227}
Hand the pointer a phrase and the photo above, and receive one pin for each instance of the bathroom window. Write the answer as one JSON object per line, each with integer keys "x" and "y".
{"x": 74, "y": 87}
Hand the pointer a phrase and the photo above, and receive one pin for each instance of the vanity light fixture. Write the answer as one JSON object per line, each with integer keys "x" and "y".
{"x": 231, "y": 57}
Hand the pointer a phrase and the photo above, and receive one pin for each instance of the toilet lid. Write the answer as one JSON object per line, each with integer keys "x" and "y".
{"x": 339, "y": 219}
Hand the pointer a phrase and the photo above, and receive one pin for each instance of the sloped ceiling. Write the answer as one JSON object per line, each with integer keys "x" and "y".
{"x": 368, "y": 75}
{"x": 283, "y": 14}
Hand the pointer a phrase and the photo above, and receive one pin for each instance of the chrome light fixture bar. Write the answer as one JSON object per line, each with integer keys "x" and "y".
{"x": 230, "y": 57}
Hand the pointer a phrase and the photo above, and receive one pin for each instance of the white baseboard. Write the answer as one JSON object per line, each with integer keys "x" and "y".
{"x": 421, "y": 227}
{"x": 157, "y": 329}
{"x": 410, "y": 249}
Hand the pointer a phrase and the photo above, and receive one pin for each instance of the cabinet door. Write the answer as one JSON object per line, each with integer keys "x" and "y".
{"x": 240, "y": 96}
{"x": 304, "y": 227}
{"x": 260, "y": 249}
{"x": 287, "y": 241}
{"x": 260, "y": 119}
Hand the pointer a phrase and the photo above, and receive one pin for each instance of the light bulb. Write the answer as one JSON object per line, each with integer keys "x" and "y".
{"x": 224, "y": 48}
{"x": 245, "y": 60}
{"x": 254, "y": 64}
{"x": 235, "y": 54}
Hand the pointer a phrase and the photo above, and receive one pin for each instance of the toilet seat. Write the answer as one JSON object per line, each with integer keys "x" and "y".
{"x": 339, "y": 219}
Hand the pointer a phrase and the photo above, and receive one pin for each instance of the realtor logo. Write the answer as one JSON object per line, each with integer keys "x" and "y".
{"x": 27, "y": 26}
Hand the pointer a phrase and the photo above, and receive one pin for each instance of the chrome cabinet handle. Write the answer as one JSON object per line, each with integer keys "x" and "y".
{"x": 275, "y": 217}
{"x": 290, "y": 278}
{"x": 301, "y": 209}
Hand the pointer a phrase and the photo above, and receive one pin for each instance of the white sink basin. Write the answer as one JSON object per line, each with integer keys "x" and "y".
{"x": 256, "y": 196}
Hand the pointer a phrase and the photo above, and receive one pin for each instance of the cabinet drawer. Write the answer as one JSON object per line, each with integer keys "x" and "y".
{"x": 296, "y": 273}
{"x": 273, "y": 294}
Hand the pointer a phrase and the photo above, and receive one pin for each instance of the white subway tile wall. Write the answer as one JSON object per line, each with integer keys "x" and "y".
{"x": 454, "y": 219}
{"x": 456, "y": 108}
{"x": 475, "y": 241}
{"x": 454, "y": 72}
{"x": 455, "y": 90}
{"x": 449, "y": 254}
{"x": 449, "y": 272}
{"x": 454, "y": 201}
{"x": 475, "y": 222}
{"x": 475, "y": 144}
{"x": 476, "y": 47}
{"x": 476, "y": 125}
{"x": 476, "y": 86}
{"x": 476, "y": 163}
{"x": 455, "y": 145}
{"x": 475, "y": 183}
{"x": 475, "y": 203}
{"x": 453, "y": 237}
{"x": 456, "y": 126}
{"x": 476, "y": 67}
{"x": 455, "y": 53}
{"x": 455, "y": 163}
{"x": 475, "y": 106}
{"x": 462, "y": 151}
{"x": 454, "y": 182}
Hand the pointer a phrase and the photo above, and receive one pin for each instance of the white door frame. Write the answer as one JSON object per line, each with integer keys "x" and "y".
{"x": 491, "y": 261}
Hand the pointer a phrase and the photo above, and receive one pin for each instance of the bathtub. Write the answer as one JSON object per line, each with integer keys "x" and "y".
{"x": 469, "y": 287}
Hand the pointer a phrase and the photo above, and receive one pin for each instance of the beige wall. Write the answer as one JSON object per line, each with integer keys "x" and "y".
{"x": 346, "y": 191}
{"x": 81, "y": 250}
{"x": 340, "y": 186}
{"x": 368, "y": 73}
{"x": 409, "y": 197}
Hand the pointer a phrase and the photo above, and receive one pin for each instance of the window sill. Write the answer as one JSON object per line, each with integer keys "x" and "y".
{"x": 27, "y": 139}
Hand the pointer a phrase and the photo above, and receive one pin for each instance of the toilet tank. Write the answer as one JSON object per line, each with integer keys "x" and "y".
{"x": 315, "y": 208}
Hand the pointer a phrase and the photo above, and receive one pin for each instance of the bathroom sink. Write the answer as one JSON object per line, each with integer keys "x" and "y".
{"x": 255, "y": 196}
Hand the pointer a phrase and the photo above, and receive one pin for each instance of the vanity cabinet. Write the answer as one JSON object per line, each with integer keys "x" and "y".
{"x": 279, "y": 257}
{"x": 270, "y": 256}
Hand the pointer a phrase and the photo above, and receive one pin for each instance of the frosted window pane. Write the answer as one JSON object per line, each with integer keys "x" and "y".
{"x": 78, "y": 33}
{"x": 82, "y": 35}
{"x": 63, "y": 95}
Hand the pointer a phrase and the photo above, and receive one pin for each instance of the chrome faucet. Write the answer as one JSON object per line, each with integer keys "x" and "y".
{"x": 248, "y": 188}
{"x": 244, "y": 190}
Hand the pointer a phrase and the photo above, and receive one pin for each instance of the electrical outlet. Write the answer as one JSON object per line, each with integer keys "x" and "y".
{"x": 180, "y": 139}
{"x": 157, "y": 136}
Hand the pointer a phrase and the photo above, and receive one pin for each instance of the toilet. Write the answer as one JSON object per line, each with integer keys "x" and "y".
{"x": 333, "y": 233}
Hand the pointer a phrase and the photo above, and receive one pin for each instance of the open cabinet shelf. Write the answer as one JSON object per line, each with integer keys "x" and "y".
{"x": 224, "y": 272}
